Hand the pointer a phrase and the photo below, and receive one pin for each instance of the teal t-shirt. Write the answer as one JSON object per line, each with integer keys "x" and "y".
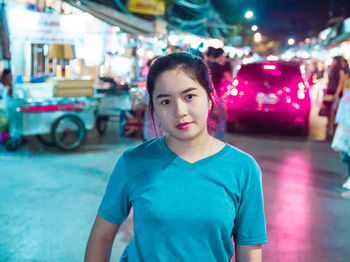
{"x": 183, "y": 211}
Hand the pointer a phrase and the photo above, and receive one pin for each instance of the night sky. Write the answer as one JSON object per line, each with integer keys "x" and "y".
{"x": 276, "y": 19}
{"x": 281, "y": 19}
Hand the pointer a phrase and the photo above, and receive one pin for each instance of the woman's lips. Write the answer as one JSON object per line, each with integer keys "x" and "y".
{"x": 184, "y": 126}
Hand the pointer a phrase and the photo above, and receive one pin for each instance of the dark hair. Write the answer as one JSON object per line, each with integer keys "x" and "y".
{"x": 194, "y": 67}
{"x": 210, "y": 51}
{"x": 217, "y": 52}
{"x": 5, "y": 73}
{"x": 338, "y": 65}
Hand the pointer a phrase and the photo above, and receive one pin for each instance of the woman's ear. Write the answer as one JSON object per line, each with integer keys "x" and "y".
{"x": 210, "y": 104}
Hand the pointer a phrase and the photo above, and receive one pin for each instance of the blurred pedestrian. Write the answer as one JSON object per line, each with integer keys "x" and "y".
{"x": 341, "y": 140}
{"x": 335, "y": 79}
{"x": 219, "y": 74}
{"x": 217, "y": 67}
{"x": 151, "y": 126}
{"x": 5, "y": 92}
{"x": 5, "y": 87}
{"x": 190, "y": 192}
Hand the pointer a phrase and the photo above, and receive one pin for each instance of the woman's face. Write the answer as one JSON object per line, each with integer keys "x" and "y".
{"x": 181, "y": 105}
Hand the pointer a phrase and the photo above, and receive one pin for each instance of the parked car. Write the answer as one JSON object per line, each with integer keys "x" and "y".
{"x": 269, "y": 93}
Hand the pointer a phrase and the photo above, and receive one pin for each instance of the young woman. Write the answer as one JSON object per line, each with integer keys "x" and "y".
{"x": 336, "y": 78}
{"x": 341, "y": 139}
{"x": 189, "y": 191}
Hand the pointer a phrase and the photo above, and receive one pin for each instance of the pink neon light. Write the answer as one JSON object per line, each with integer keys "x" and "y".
{"x": 78, "y": 107}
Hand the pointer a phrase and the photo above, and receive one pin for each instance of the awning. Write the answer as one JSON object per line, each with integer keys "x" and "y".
{"x": 126, "y": 22}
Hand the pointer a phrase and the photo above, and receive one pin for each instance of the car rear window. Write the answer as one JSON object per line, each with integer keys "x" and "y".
{"x": 271, "y": 72}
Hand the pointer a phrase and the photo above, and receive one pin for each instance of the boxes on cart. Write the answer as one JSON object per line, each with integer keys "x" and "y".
{"x": 73, "y": 88}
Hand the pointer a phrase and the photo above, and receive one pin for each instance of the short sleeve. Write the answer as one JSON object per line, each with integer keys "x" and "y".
{"x": 115, "y": 206}
{"x": 250, "y": 225}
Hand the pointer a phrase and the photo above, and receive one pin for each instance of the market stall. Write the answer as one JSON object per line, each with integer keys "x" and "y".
{"x": 59, "y": 112}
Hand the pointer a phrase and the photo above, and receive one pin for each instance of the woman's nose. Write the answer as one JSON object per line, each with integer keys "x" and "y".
{"x": 180, "y": 109}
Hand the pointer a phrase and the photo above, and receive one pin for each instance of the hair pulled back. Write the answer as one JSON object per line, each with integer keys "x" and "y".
{"x": 194, "y": 67}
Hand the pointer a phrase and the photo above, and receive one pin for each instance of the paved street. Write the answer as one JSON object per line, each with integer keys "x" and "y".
{"x": 49, "y": 198}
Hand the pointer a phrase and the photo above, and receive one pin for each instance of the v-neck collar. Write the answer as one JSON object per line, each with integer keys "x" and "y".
{"x": 180, "y": 161}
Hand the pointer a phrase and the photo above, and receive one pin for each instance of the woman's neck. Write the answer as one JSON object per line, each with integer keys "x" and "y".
{"x": 193, "y": 150}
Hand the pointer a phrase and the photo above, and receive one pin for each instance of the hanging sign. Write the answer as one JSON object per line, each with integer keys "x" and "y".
{"x": 147, "y": 7}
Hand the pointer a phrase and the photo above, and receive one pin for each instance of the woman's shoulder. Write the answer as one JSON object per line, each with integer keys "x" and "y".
{"x": 149, "y": 148}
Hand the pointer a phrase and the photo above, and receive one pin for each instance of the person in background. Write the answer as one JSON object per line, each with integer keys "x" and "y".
{"x": 5, "y": 87}
{"x": 190, "y": 192}
{"x": 228, "y": 69}
{"x": 219, "y": 74}
{"x": 217, "y": 67}
{"x": 151, "y": 126}
{"x": 341, "y": 139}
{"x": 335, "y": 80}
{"x": 5, "y": 92}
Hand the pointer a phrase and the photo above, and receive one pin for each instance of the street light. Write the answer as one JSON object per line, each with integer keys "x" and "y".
{"x": 254, "y": 28}
{"x": 249, "y": 14}
{"x": 257, "y": 37}
{"x": 291, "y": 41}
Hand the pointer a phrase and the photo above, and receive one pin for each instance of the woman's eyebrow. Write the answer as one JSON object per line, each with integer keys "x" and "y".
{"x": 183, "y": 92}
{"x": 188, "y": 90}
{"x": 162, "y": 95}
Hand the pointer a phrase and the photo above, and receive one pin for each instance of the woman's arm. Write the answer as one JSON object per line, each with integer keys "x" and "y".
{"x": 245, "y": 253}
{"x": 101, "y": 240}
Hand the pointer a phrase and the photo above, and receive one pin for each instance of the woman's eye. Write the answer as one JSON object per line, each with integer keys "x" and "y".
{"x": 190, "y": 96}
{"x": 165, "y": 102}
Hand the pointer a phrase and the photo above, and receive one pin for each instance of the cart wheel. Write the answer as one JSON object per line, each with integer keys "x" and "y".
{"x": 101, "y": 124}
{"x": 46, "y": 140}
{"x": 12, "y": 144}
{"x": 68, "y": 132}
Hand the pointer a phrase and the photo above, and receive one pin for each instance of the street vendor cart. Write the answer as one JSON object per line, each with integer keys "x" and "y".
{"x": 57, "y": 121}
{"x": 121, "y": 107}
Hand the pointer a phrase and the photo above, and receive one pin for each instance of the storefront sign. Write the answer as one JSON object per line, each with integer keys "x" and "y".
{"x": 147, "y": 7}
{"x": 46, "y": 28}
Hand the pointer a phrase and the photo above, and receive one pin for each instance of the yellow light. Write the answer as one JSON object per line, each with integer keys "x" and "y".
{"x": 269, "y": 67}
{"x": 257, "y": 37}
{"x": 235, "y": 82}
{"x": 150, "y": 54}
{"x": 249, "y": 14}
{"x": 140, "y": 52}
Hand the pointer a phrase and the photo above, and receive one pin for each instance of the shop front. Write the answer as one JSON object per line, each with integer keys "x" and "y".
{"x": 55, "y": 61}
